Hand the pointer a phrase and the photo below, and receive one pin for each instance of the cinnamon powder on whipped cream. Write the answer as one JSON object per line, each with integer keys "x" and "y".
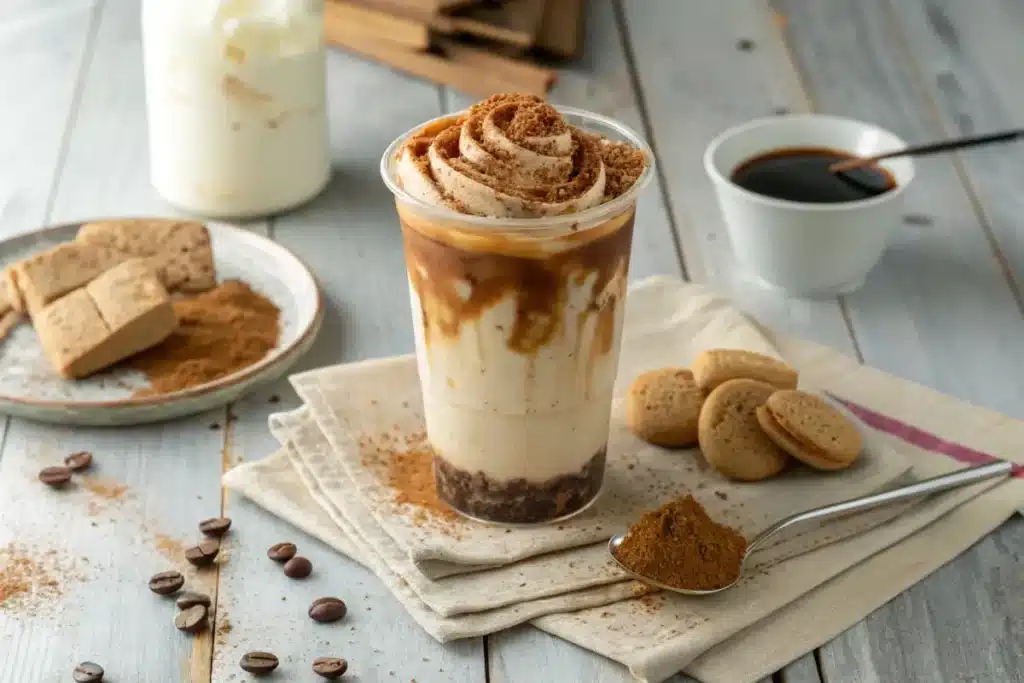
{"x": 515, "y": 155}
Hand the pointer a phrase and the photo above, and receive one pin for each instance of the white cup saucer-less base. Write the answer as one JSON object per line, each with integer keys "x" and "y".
{"x": 30, "y": 388}
{"x": 834, "y": 291}
{"x": 802, "y": 249}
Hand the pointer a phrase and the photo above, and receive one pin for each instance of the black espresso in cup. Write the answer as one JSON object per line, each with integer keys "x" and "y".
{"x": 800, "y": 174}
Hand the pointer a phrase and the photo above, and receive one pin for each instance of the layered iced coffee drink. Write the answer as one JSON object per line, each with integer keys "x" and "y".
{"x": 517, "y": 220}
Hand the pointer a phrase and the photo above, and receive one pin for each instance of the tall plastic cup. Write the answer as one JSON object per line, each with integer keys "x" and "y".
{"x": 517, "y": 325}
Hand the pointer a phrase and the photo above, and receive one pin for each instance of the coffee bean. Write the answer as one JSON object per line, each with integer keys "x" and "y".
{"x": 298, "y": 567}
{"x": 88, "y": 672}
{"x": 190, "y": 599}
{"x": 55, "y": 476}
{"x": 258, "y": 663}
{"x": 202, "y": 555}
{"x": 191, "y": 620}
{"x": 78, "y": 461}
{"x": 281, "y": 552}
{"x": 326, "y": 610}
{"x": 330, "y": 667}
{"x": 166, "y": 583}
{"x": 218, "y": 526}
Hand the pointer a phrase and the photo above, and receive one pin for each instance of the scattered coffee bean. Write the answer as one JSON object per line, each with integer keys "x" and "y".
{"x": 274, "y": 398}
{"x": 203, "y": 555}
{"x": 217, "y": 526}
{"x": 326, "y": 610}
{"x": 190, "y": 599}
{"x": 166, "y": 583}
{"x": 281, "y": 552}
{"x": 55, "y": 476}
{"x": 298, "y": 567}
{"x": 191, "y": 620}
{"x": 78, "y": 461}
{"x": 258, "y": 663}
{"x": 330, "y": 667}
{"x": 745, "y": 45}
{"x": 88, "y": 672}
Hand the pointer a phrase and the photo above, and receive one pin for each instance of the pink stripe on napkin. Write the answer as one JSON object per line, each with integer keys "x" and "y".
{"x": 920, "y": 438}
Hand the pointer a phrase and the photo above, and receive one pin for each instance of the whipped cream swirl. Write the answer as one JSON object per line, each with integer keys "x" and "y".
{"x": 510, "y": 156}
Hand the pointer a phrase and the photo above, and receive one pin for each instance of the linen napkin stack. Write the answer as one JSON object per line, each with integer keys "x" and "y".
{"x": 352, "y": 465}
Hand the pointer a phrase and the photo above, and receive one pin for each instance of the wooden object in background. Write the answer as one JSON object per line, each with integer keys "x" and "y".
{"x": 561, "y": 30}
{"x": 532, "y": 78}
{"x": 470, "y": 70}
{"x": 429, "y": 6}
{"x": 480, "y": 50}
{"x": 397, "y": 24}
{"x": 514, "y": 22}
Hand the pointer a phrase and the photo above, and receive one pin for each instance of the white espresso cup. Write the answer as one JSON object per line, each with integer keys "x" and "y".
{"x": 803, "y": 248}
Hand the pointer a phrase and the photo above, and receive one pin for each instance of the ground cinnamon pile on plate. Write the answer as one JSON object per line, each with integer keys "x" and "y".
{"x": 219, "y": 333}
{"x": 680, "y": 546}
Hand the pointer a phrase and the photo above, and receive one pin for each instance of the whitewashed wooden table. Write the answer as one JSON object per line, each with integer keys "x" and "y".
{"x": 944, "y": 308}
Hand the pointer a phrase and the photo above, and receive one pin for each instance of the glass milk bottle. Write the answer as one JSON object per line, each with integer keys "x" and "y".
{"x": 236, "y": 101}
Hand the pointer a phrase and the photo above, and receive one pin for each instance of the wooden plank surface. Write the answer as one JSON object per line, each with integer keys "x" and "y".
{"x": 902, "y": 317}
{"x": 44, "y": 48}
{"x": 937, "y": 310}
{"x": 963, "y": 53}
{"x": 151, "y": 485}
{"x": 79, "y": 149}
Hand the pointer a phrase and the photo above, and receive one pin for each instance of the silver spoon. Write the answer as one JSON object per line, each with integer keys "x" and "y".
{"x": 964, "y": 477}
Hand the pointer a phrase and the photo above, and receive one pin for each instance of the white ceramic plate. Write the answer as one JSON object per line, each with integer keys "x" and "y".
{"x": 30, "y": 388}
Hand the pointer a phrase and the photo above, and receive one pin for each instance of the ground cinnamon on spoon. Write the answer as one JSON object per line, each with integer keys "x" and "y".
{"x": 679, "y": 545}
{"x": 219, "y": 333}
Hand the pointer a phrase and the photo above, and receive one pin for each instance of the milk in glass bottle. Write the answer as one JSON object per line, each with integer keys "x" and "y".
{"x": 236, "y": 100}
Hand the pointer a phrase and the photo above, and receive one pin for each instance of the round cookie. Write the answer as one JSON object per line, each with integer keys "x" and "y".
{"x": 714, "y": 366}
{"x": 662, "y": 407}
{"x": 809, "y": 429}
{"x": 731, "y": 439}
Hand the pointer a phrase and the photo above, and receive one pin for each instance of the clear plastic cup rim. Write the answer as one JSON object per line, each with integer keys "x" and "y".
{"x": 593, "y": 214}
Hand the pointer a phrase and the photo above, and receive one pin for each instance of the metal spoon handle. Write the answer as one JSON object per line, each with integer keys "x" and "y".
{"x": 946, "y": 482}
{"x": 929, "y": 148}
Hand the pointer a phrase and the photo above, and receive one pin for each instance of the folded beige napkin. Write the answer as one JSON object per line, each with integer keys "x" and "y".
{"x": 360, "y": 408}
{"x": 655, "y": 636}
{"x": 363, "y": 407}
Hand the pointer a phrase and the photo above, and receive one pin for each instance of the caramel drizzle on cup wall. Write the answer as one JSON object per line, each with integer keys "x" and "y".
{"x": 459, "y": 274}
